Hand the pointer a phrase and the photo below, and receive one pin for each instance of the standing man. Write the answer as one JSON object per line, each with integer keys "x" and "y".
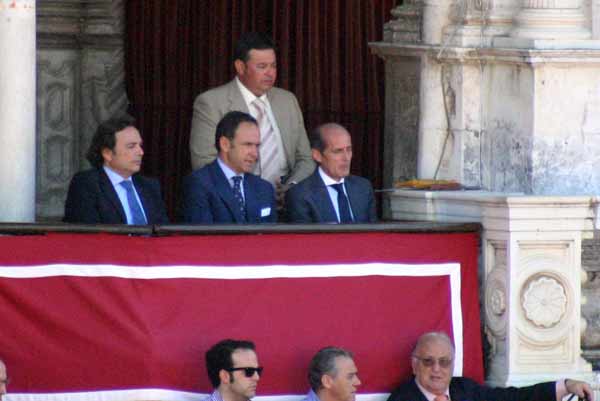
{"x": 284, "y": 150}
{"x": 3, "y": 379}
{"x": 225, "y": 191}
{"x": 331, "y": 194}
{"x": 233, "y": 370}
{"x": 112, "y": 192}
{"x": 333, "y": 376}
{"x": 433, "y": 365}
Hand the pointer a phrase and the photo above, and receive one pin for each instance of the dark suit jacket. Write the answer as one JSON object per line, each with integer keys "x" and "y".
{"x": 463, "y": 389}
{"x": 309, "y": 201}
{"x": 92, "y": 199}
{"x": 212, "y": 105}
{"x": 208, "y": 198}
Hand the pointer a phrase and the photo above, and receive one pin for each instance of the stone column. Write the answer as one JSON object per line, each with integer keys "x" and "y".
{"x": 17, "y": 110}
{"x": 551, "y": 19}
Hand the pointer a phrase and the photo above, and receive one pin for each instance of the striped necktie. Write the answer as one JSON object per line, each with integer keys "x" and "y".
{"x": 268, "y": 166}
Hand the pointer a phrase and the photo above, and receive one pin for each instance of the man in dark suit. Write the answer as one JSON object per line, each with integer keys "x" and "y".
{"x": 225, "y": 191}
{"x": 331, "y": 194}
{"x": 284, "y": 150}
{"x": 433, "y": 365}
{"x": 112, "y": 192}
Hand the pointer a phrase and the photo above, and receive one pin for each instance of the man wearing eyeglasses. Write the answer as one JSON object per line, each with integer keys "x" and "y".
{"x": 232, "y": 367}
{"x": 3, "y": 379}
{"x": 332, "y": 375}
{"x": 433, "y": 365}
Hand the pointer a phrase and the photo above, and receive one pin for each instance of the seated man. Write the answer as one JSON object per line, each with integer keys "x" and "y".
{"x": 433, "y": 363}
{"x": 225, "y": 191}
{"x": 3, "y": 379}
{"x": 331, "y": 194}
{"x": 112, "y": 192}
{"x": 332, "y": 376}
{"x": 233, "y": 370}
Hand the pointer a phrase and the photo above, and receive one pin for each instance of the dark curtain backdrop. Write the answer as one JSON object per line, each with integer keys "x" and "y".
{"x": 176, "y": 49}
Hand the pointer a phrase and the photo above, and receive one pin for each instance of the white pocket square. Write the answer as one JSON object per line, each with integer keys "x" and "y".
{"x": 265, "y": 211}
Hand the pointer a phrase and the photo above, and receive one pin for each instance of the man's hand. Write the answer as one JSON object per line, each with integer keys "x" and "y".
{"x": 581, "y": 389}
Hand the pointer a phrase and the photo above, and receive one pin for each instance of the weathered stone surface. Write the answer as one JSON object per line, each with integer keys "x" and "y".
{"x": 80, "y": 82}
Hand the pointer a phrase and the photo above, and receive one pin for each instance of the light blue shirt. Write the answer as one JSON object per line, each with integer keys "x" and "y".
{"x": 311, "y": 396}
{"x": 215, "y": 396}
{"x": 115, "y": 180}
{"x": 333, "y": 194}
{"x": 229, "y": 174}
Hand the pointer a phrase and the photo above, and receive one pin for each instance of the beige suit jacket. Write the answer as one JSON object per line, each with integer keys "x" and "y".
{"x": 212, "y": 105}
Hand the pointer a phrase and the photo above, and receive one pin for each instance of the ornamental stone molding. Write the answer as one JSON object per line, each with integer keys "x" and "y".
{"x": 80, "y": 82}
{"x": 544, "y": 301}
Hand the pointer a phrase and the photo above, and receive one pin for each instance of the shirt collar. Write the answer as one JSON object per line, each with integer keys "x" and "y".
{"x": 312, "y": 396}
{"x": 430, "y": 396}
{"x": 114, "y": 177}
{"x": 248, "y": 96}
{"x": 229, "y": 173}
{"x": 327, "y": 179}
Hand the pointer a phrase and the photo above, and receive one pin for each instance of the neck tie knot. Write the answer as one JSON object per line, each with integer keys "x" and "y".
{"x": 443, "y": 397}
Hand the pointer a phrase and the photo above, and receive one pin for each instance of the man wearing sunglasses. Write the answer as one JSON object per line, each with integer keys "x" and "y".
{"x": 333, "y": 376}
{"x": 433, "y": 365}
{"x": 232, "y": 367}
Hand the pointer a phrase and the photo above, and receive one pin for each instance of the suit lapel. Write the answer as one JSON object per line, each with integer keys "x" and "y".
{"x": 354, "y": 197}
{"x": 321, "y": 200}
{"x": 236, "y": 100}
{"x": 225, "y": 192}
{"x": 251, "y": 198}
{"x": 109, "y": 191}
{"x": 144, "y": 198}
{"x": 282, "y": 123}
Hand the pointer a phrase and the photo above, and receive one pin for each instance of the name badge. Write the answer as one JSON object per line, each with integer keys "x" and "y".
{"x": 265, "y": 211}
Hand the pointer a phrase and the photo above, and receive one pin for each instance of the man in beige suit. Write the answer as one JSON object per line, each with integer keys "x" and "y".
{"x": 284, "y": 154}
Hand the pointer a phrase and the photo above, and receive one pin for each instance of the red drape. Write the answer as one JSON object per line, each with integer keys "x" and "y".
{"x": 176, "y": 49}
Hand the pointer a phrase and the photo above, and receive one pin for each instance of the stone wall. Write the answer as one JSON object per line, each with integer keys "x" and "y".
{"x": 80, "y": 82}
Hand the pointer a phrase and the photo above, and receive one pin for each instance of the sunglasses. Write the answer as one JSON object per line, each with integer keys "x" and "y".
{"x": 429, "y": 362}
{"x": 248, "y": 372}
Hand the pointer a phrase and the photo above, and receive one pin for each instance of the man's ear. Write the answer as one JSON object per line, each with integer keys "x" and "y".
{"x": 326, "y": 381}
{"x": 316, "y": 155}
{"x": 107, "y": 154}
{"x": 224, "y": 143}
{"x": 224, "y": 376}
{"x": 240, "y": 67}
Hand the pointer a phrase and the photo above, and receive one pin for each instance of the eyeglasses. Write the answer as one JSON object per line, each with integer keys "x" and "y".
{"x": 248, "y": 372}
{"x": 429, "y": 362}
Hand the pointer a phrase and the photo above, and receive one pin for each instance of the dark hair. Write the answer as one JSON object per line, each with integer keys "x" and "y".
{"x": 105, "y": 137}
{"x": 229, "y": 125}
{"x": 251, "y": 41}
{"x": 218, "y": 357}
{"x": 323, "y": 363}
{"x": 316, "y": 135}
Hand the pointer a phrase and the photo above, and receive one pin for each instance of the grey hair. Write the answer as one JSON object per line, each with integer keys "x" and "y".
{"x": 323, "y": 363}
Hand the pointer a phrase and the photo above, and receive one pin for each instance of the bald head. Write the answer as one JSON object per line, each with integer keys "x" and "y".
{"x": 3, "y": 379}
{"x": 433, "y": 337}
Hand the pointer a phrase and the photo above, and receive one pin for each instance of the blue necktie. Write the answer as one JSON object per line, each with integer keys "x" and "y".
{"x": 237, "y": 194}
{"x": 137, "y": 216}
{"x": 343, "y": 206}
